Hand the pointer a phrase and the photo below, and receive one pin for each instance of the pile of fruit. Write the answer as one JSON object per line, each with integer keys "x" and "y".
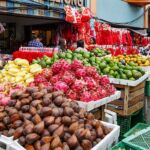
{"x": 86, "y": 57}
{"x": 137, "y": 59}
{"x": 42, "y": 120}
{"x": 6, "y": 90}
{"x": 19, "y": 72}
{"x": 77, "y": 81}
{"x": 105, "y": 66}
{"x": 120, "y": 70}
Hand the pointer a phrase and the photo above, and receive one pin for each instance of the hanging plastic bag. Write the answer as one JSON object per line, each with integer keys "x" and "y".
{"x": 86, "y": 14}
{"x": 70, "y": 17}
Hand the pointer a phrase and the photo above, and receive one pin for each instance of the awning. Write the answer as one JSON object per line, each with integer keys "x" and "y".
{"x": 27, "y": 2}
{"x": 138, "y": 2}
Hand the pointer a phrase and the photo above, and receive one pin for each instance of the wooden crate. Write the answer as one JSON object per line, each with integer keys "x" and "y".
{"x": 132, "y": 99}
{"x": 97, "y": 113}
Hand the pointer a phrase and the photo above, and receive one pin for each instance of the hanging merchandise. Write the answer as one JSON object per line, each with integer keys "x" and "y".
{"x": 70, "y": 17}
{"x": 86, "y": 14}
{"x": 106, "y": 35}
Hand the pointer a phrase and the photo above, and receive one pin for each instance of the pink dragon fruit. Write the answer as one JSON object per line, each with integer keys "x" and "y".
{"x": 4, "y": 101}
{"x": 65, "y": 65}
{"x": 97, "y": 77}
{"x": 91, "y": 84}
{"x": 55, "y": 79}
{"x": 56, "y": 67}
{"x": 91, "y": 71}
{"x": 68, "y": 78}
{"x": 76, "y": 64}
{"x": 80, "y": 73}
{"x": 2, "y": 88}
{"x": 78, "y": 85}
{"x": 95, "y": 96}
{"x": 102, "y": 92}
{"x": 110, "y": 89}
{"x": 39, "y": 78}
{"x": 85, "y": 96}
{"x": 32, "y": 84}
{"x": 104, "y": 80}
{"x": 72, "y": 95}
{"x": 61, "y": 86}
{"x": 47, "y": 73}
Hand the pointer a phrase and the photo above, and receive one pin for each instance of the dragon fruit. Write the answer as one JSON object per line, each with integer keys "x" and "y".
{"x": 110, "y": 89}
{"x": 68, "y": 78}
{"x": 85, "y": 96}
{"x": 104, "y": 81}
{"x": 95, "y": 96}
{"x": 102, "y": 92}
{"x": 4, "y": 101}
{"x": 61, "y": 86}
{"x": 72, "y": 95}
{"x": 91, "y": 84}
{"x": 56, "y": 67}
{"x": 39, "y": 78}
{"x": 91, "y": 71}
{"x": 76, "y": 64}
{"x": 78, "y": 85}
{"x": 55, "y": 79}
{"x": 47, "y": 73}
{"x": 65, "y": 65}
{"x": 80, "y": 73}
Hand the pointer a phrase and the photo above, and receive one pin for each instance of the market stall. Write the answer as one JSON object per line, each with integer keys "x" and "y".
{"x": 75, "y": 99}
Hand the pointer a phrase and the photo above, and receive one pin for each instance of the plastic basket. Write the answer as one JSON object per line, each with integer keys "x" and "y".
{"x": 121, "y": 146}
{"x": 126, "y": 123}
{"x": 140, "y": 140}
{"x": 137, "y": 128}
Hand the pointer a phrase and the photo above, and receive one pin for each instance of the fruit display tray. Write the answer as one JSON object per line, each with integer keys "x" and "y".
{"x": 128, "y": 82}
{"x": 146, "y": 68}
{"x": 7, "y": 143}
{"x": 110, "y": 140}
{"x": 95, "y": 104}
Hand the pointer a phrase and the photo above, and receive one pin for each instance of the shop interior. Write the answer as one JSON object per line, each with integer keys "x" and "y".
{"x": 19, "y": 30}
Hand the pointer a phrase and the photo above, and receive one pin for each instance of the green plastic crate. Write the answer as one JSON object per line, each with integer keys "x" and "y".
{"x": 121, "y": 146}
{"x": 138, "y": 127}
{"x": 126, "y": 123}
{"x": 139, "y": 141}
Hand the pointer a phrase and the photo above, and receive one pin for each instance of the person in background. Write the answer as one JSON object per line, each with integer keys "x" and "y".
{"x": 62, "y": 45}
{"x": 80, "y": 46}
{"x": 36, "y": 42}
{"x": 92, "y": 41}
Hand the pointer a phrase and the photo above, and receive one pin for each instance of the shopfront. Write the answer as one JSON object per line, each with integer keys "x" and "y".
{"x": 24, "y": 19}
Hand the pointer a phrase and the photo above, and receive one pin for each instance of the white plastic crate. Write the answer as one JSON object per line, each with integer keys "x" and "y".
{"x": 145, "y": 68}
{"x": 110, "y": 140}
{"x": 128, "y": 82}
{"x": 88, "y": 106}
{"x": 7, "y": 143}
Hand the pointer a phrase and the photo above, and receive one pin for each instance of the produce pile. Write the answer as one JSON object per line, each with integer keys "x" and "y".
{"x": 104, "y": 66}
{"x": 19, "y": 72}
{"x": 43, "y": 120}
{"x": 88, "y": 58}
{"x": 77, "y": 81}
{"x": 137, "y": 59}
{"x": 6, "y": 90}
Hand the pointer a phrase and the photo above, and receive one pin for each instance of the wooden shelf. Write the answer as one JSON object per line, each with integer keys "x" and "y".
{"x": 138, "y": 2}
